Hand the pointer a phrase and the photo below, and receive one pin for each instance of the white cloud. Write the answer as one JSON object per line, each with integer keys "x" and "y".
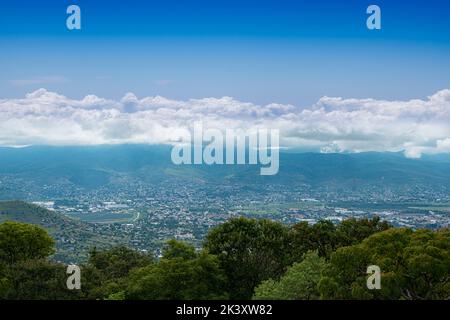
{"x": 330, "y": 125}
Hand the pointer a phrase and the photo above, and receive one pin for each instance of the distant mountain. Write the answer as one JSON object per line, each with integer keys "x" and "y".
{"x": 73, "y": 238}
{"x": 96, "y": 166}
{"x": 88, "y": 167}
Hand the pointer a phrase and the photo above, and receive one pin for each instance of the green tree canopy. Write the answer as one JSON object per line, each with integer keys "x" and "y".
{"x": 353, "y": 231}
{"x": 178, "y": 276}
{"x": 21, "y": 241}
{"x": 177, "y": 249}
{"x": 38, "y": 279}
{"x": 300, "y": 282}
{"x": 325, "y": 237}
{"x": 414, "y": 265}
{"x": 117, "y": 261}
{"x": 106, "y": 270}
{"x": 249, "y": 251}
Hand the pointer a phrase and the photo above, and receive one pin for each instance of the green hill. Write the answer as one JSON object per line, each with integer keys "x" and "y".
{"x": 73, "y": 238}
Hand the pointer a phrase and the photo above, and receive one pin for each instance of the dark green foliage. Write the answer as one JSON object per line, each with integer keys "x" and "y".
{"x": 106, "y": 270}
{"x": 178, "y": 275}
{"x": 20, "y": 241}
{"x": 117, "y": 261}
{"x": 353, "y": 231}
{"x": 38, "y": 279}
{"x": 241, "y": 258}
{"x": 24, "y": 271}
{"x": 325, "y": 237}
{"x": 177, "y": 249}
{"x": 300, "y": 282}
{"x": 249, "y": 251}
{"x": 414, "y": 265}
{"x": 320, "y": 236}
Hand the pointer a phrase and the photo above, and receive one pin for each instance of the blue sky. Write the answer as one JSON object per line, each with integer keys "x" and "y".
{"x": 260, "y": 51}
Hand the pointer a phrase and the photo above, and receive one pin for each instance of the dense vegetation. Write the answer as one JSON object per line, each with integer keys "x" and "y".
{"x": 241, "y": 259}
{"x": 75, "y": 238}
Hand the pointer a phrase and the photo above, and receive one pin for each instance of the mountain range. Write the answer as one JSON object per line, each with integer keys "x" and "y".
{"x": 90, "y": 167}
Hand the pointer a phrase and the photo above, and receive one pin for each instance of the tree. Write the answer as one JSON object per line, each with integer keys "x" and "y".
{"x": 249, "y": 252}
{"x": 177, "y": 249}
{"x": 4, "y": 281}
{"x": 106, "y": 271}
{"x": 353, "y": 231}
{"x": 38, "y": 279}
{"x": 320, "y": 237}
{"x": 414, "y": 265}
{"x": 177, "y": 276}
{"x": 20, "y": 241}
{"x": 325, "y": 237}
{"x": 118, "y": 261}
{"x": 300, "y": 282}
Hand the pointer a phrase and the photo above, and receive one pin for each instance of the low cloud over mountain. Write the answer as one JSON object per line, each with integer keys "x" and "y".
{"x": 330, "y": 125}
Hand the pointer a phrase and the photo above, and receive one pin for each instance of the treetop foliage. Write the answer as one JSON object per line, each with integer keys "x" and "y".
{"x": 240, "y": 259}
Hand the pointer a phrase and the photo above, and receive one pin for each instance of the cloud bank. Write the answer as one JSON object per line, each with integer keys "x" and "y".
{"x": 331, "y": 125}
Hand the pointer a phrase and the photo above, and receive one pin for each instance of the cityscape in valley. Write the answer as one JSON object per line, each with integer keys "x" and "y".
{"x": 145, "y": 204}
{"x": 188, "y": 213}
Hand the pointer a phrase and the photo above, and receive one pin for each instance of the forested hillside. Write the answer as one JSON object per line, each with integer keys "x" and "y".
{"x": 73, "y": 238}
{"x": 241, "y": 259}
